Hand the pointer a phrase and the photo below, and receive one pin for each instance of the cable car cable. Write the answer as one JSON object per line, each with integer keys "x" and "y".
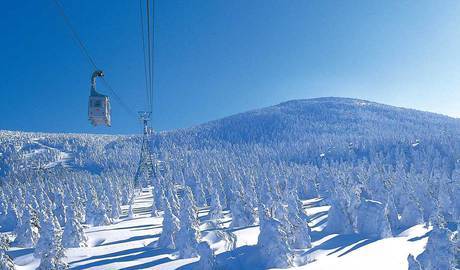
{"x": 147, "y": 82}
{"x": 149, "y": 50}
{"x": 153, "y": 54}
{"x": 87, "y": 54}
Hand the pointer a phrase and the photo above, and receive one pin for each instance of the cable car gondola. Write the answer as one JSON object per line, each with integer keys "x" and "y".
{"x": 98, "y": 104}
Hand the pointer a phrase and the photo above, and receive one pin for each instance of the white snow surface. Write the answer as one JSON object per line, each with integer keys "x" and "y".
{"x": 124, "y": 245}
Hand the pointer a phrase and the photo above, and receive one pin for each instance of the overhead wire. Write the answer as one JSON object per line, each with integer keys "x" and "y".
{"x": 150, "y": 52}
{"x": 85, "y": 51}
{"x": 153, "y": 54}
{"x": 147, "y": 80}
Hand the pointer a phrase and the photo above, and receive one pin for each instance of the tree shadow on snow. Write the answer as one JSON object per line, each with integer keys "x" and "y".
{"x": 20, "y": 252}
{"x": 149, "y": 226}
{"x": 414, "y": 239}
{"x": 244, "y": 257}
{"x": 339, "y": 243}
{"x": 134, "y": 238}
{"x": 318, "y": 215}
{"x": 125, "y": 256}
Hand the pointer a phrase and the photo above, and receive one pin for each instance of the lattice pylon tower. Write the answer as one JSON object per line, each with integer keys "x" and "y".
{"x": 146, "y": 162}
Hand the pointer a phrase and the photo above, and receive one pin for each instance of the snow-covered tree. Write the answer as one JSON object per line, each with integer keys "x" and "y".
{"x": 440, "y": 250}
{"x": 49, "y": 247}
{"x": 215, "y": 210}
{"x": 372, "y": 220}
{"x": 6, "y": 263}
{"x": 299, "y": 232}
{"x": 411, "y": 215}
{"x": 189, "y": 233}
{"x": 170, "y": 228}
{"x": 413, "y": 264}
{"x": 50, "y": 234}
{"x": 73, "y": 235}
{"x": 96, "y": 213}
{"x": 339, "y": 219}
{"x": 59, "y": 209}
{"x": 207, "y": 259}
{"x": 11, "y": 220}
{"x": 273, "y": 241}
{"x": 27, "y": 232}
{"x": 243, "y": 214}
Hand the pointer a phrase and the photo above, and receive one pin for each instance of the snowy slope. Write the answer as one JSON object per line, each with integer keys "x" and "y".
{"x": 124, "y": 245}
{"x": 347, "y": 152}
{"x": 327, "y": 127}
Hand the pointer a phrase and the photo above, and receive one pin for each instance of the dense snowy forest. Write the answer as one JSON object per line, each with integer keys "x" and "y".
{"x": 382, "y": 170}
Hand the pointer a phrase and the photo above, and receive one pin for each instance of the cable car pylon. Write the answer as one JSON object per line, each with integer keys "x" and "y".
{"x": 145, "y": 167}
{"x": 146, "y": 163}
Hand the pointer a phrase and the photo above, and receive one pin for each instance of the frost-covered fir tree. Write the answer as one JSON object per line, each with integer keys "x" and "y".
{"x": 96, "y": 213}
{"x": 189, "y": 233}
{"x": 113, "y": 196}
{"x": 273, "y": 241}
{"x": 243, "y": 214}
{"x": 50, "y": 234}
{"x": 299, "y": 233}
{"x": 339, "y": 219}
{"x": 51, "y": 257}
{"x": 207, "y": 259}
{"x": 27, "y": 232}
{"x": 49, "y": 247}
{"x": 59, "y": 209}
{"x": 215, "y": 210}
{"x": 170, "y": 228}
{"x": 6, "y": 263}
{"x": 73, "y": 235}
{"x": 199, "y": 193}
{"x": 372, "y": 219}
{"x": 11, "y": 220}
{"x": 413, "y": 264}
{"x": 411, "y": 214}
{"x": 440, "y": 250}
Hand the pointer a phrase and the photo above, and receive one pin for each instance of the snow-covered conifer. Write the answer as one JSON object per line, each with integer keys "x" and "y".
{"x": 27, "y": 232}
{"x": 52, "y": 252}
{"x": 243, "y": 214}
{"x": 215, "y": 210}
{"x": 299, "y": 232}
{"x": 170, "y": 228}
{"x": 273, "y": 241}
{"x": 411, "y": 214}
{"x": 6, "y": 263}
{"x": 372, "y": 220}
{"x": 440, "y": 250}
{"x": 11, "y": 220}
{"x": 339, "y": 220}
{"x": 73, "y": 235}
{"x": 413, "y": 263}
{"x": 189, "y": 233}
{"x": 207, "y": 259}
{"x": 50, "y": 235}
{"x": 59, "y": 210}
{"x": 199, "y": 194}
{"x": 96, "y": 213}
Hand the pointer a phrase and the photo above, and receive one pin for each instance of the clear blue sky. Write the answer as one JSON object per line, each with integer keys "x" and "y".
{"x": 217, "y": 57}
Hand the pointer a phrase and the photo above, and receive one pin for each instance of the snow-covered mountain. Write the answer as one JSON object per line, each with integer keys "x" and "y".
{"x": 316, "y": 184}
{"x": 336, "y": 125}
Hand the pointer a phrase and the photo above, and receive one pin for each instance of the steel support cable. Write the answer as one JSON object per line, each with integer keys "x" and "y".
{"x": 147, "y": 82}
{"x": 153, "y": 55}
{"x": 85, "y": 51}
{"x": 149, "y": 42}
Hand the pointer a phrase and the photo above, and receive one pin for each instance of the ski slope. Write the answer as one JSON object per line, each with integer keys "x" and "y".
{"x": 127, "y": 245}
